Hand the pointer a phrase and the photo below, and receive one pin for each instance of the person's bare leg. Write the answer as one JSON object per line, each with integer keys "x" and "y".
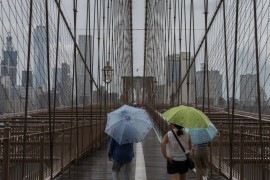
{"x": 127, "y": 170}
{"x": 175, "y": 176}
{"x": 115, "y": 175}
{"x": 182, "y": 177}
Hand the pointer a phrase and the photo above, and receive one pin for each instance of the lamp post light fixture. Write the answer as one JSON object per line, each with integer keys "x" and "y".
{"x": 107, "y": 78}
{"x": 107, "y": 73}
{"x": 155, "y": 83}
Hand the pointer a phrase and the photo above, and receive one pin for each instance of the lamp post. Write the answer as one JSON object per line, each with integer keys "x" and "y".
{"x": 155, "y": 90}
{"x": 107, "y": 73}
{"x": 107, "y": 78}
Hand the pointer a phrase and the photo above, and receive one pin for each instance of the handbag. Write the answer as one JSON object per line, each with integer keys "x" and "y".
{"x": 190, "y": 162}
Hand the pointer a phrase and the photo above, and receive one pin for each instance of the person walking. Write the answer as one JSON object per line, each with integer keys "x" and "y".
{"x": 122, "y": 156}
{"x": 200, "y": 155}
{"x": 176, "y": 158}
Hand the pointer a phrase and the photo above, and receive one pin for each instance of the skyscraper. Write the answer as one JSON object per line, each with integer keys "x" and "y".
{"x": 24, "y": 78}
{"x": 248, "y": 90}
{"x": 66, "y": 90}
{"x": 215, "y": 86}
{"x": 9, "y": 66}
{"x": 83, "y": 77}
{"x": 9, "y": 63}
{"x": 176, "y": 69}
{"x": 40, "y": 59}
{"x": 58, "y": 79}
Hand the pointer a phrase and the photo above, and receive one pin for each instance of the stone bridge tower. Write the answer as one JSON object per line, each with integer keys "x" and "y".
{"x": 143, "y": 89}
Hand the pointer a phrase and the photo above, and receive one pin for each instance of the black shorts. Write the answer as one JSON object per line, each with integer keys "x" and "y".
{"x": 177, "y": 167}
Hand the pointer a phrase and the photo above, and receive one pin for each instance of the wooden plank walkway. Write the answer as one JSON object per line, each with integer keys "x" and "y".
{"x": 96, "y": 166}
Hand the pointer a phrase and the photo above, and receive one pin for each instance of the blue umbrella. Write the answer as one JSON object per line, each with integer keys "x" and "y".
{"x": 128, "y": 124}
{"x": 202, "y": 135}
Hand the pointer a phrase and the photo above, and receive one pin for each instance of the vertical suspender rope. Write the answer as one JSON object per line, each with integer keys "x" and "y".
{"x": 99, "y": 83}
{"x": 92, "y": 68}
{"x": 205, "y": 68}
{"x": 131, "y": 48}
{"x": 55, "y": 84}
{"x": 258, "y": 88}
{"x": 177, "y": 59}
{"x": 180, "y": 64}
{"x": 49, "y": 87}
{"x": 165, "y": 52}
{"x": 86, "y": 51}
{"x": 186, "y": 48}
{"x": 90, "y": 83}
{"x": 75, "y": 79}
{"x": 103, "y": 62}
{"x": 169, "y": 52}
{"x": 145, "y": 44}
{"x": 207, "y": 61}
{"x": 193, "y": 31}
{"x": 73, "y": 38}
{"x": 27, "y": 86}
{"x": 226, "y": 59}
{"x": 201, "y": 43}
{"x": 110, "y": 50}
{"x": 189, "y": 52}
{"x": 234, "y": 88}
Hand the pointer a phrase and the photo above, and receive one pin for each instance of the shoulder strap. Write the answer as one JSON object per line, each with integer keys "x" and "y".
{"x": 179, "y": 142}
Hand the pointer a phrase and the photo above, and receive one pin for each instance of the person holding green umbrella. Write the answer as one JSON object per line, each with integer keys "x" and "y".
{"x": 187, "y": 117}
{"x": 192, "y": 118}
{"x": 177, "y": 165}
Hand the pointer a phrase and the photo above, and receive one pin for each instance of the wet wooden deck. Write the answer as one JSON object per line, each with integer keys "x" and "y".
{"x": 96, "y": 166}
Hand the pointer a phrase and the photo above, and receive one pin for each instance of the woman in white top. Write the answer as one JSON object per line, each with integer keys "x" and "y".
{"x": 176, "y": 159}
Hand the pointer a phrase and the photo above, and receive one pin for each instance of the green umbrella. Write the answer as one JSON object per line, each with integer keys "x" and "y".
{"x": 187, "y": 117}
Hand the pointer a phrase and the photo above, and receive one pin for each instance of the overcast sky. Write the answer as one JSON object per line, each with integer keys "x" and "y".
{"x": 138, "y": 24}
{"x": 15, "y": 20}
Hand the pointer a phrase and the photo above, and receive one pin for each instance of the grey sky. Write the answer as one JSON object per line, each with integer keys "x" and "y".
{"x": 19, "y": 30}
{"x": 138, "y": 24}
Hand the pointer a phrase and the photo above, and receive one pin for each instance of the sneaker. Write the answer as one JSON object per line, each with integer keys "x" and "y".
{"x": 204, "y": 177}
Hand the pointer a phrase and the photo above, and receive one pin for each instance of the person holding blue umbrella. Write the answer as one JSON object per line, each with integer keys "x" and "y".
{"x": 201, "y": 137}
{"x": 122, "y": 156}
{"x": 125, "y": 126}
{"x": 200, "y": 155}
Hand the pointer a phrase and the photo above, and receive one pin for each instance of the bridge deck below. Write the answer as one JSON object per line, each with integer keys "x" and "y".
{"x": 97, "y": 167}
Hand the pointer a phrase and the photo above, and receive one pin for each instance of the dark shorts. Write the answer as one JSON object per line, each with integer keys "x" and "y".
{"x": 177, "y": 167}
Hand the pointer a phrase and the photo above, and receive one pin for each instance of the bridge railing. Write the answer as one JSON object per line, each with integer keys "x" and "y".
{"x": 246, "y": 160}
{"x": 70, "y": 142}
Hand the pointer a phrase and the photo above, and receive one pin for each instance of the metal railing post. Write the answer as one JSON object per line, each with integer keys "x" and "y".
{"x": 41, "y": 164}
{"x": 241, "y": 153}
{"x": 62, "y": 148}
{"x": 6, "y": 153}
{"x": 219, "y": 149}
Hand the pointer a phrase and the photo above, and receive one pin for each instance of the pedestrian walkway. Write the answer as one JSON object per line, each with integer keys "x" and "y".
{"x": 147, "y": 164}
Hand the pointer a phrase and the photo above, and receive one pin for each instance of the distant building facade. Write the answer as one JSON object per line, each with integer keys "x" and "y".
{"x": 84, "y": 82}
{"x": 215, "y": 86}
{"x": 24, "y": 78}
{"x": 9, "y": 68}
{"x": 248, "y": 90}
{"x": 176, "y": 66}
{"x": 40, "y": 59}
{"x": 66, "y": 90}
{"x": 58, "y": 79}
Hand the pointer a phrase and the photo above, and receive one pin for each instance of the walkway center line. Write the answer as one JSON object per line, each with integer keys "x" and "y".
{"x": 140, "y": 171}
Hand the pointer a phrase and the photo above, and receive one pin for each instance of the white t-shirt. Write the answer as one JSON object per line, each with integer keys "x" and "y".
{"x": 173, "y": 148}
